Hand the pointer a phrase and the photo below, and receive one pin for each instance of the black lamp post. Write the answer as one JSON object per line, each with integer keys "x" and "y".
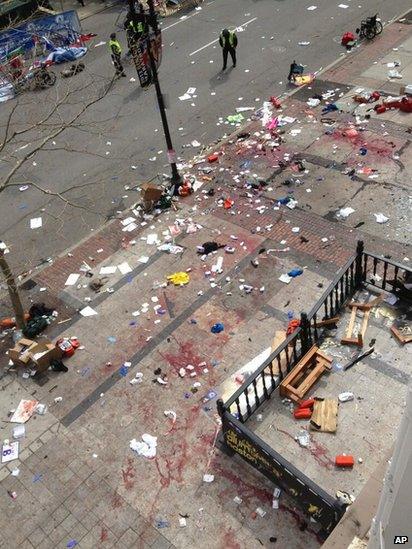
{"x": 150, "y": 19}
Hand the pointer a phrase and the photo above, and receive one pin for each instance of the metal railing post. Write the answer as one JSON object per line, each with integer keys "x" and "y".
{"x": 358, "y": 267}
{"x": 304, "y": 334}
{"x": 220, "y": 407}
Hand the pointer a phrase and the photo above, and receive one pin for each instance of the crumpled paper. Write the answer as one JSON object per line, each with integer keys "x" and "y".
{"x": 147, "y": 448}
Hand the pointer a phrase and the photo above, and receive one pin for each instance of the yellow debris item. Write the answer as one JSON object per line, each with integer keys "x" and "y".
{"x": 178, "y": 279}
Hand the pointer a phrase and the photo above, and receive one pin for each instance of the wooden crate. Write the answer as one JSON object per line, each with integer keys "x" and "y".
{"x": 305, "y": 374}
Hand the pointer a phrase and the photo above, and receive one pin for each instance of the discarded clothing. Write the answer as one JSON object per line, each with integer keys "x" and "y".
{"x": 179, "y": 279}
{"x": 209, "y": 247}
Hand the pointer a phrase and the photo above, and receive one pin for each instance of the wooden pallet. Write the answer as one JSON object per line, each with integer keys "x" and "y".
{"x": 305, "y": 374}
{"x": 349, "y": 338}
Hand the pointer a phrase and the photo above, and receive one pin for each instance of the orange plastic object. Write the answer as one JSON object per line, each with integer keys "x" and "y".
{"x": 213, "y": 157}
{"x": 302, "y": 413}
{"x": 308, "y": 403}
{"x": 344, "y": 461}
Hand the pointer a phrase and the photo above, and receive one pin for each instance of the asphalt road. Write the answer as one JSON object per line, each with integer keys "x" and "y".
{"x": 123, "y": 129}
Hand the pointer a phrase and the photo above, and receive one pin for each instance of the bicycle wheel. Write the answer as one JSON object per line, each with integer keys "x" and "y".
{"x": 49, "y": 79}
{"x": 370, "y": 33}
{"x": 378, "y": 27}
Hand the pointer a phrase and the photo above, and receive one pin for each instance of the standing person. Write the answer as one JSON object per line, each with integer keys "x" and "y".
{"x": 81, "y": 2}
{"x": 116, "y": 51}
{"x": 228, "y": 42}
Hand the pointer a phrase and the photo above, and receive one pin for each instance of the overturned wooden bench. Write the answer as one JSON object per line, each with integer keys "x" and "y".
{"x": 305, "y": 374}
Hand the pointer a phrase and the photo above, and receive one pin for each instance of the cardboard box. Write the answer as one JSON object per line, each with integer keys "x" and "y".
{"x": 20, "y": 353}
{"x": 27, "y": 352}
{"x": 151, "y": 193}
{"x": 43, "y": 353}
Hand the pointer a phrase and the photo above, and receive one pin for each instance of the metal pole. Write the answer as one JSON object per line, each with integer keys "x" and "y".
{"x": 152, "y": 19}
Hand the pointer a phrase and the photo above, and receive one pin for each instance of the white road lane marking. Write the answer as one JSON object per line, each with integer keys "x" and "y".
{"x": 186, "y": 18}
{"x": 217, "y": 39}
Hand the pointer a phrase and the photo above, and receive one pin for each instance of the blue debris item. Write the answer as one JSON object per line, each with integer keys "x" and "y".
{"x": 284, "y": 200}
{"x": 217, "y": 328}
{"x": 290, "y": 313}
{"x": 71, "y": 543}
{"x": 329, "y": 108}
{"x": 123, "y": 371}
{"x": 295, "y": 272}
{"x": 363, "y": 151}
{"x": 214, "y": 362}
{"x": 111, "y": 339}
{"x": 162, "y": 523}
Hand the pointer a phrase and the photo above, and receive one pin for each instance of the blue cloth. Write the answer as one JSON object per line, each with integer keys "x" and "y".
{"x": 61, "y": 55}
{"x": 295, "y": 272}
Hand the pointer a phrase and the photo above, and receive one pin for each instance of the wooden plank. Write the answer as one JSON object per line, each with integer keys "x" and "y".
{"x": 325, "y": 415}
{"x": 279, "y": 338}
{"x": 327, "y": 322}
{"x": 401, "y": 337}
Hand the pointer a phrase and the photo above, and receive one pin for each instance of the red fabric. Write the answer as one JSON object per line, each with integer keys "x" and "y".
{"x": 292, "y": 326}
{"x": 404, "y": 105}
{"x": 347, "y": 37}
{"x": 275, "y": 102}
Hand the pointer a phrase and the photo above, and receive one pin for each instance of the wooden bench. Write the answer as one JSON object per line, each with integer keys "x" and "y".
{"x": 305, "y": 374}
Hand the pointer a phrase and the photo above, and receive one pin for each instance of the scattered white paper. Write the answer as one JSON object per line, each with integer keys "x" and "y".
{"x": 9, "y": 452}
{"x": 184, "y": 97}
{"x": 311, "y": 8}
{"x": 147, "y": 448}
{"x": 36, "y": 223}
{"x": 24, "y": 411}
{"x": 124, "y": 268}
{"x": 285, "y": 278}
{"x": 127, "y": 221}
{"x": 345, "y": 212}
{"x": 143, "y": 259}
{"x": 129, "y": 228}
{"x": 72, "y": 279}
{"x": 152, "y": 238}
{"x": 380, "y": 218}
{"x": 343, "y": 6}
{"x": 208, "y": 478}
{"x": 88, "y": 311}
{"x": 110, "y": 269}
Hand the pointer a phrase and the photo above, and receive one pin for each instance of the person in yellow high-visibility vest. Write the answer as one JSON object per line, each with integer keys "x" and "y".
{"x": 116, "y": 52}
{"x": 228, "y": 43}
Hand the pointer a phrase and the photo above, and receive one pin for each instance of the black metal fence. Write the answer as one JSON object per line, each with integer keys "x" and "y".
{"x": 362, "y": 268}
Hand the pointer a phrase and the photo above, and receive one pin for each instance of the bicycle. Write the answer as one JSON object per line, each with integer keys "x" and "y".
{"x": 39, "y": 79}
{"x": 370, "y": 27}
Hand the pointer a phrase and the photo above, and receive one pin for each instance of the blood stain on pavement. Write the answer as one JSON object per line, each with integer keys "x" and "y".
{"x": 128, "y": 474}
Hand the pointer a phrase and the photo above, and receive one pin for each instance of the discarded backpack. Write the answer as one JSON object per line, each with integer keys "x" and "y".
{"x": 34, "y": 327}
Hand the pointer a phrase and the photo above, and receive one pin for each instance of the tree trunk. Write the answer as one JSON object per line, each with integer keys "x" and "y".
{"x": 13, "y": 292}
